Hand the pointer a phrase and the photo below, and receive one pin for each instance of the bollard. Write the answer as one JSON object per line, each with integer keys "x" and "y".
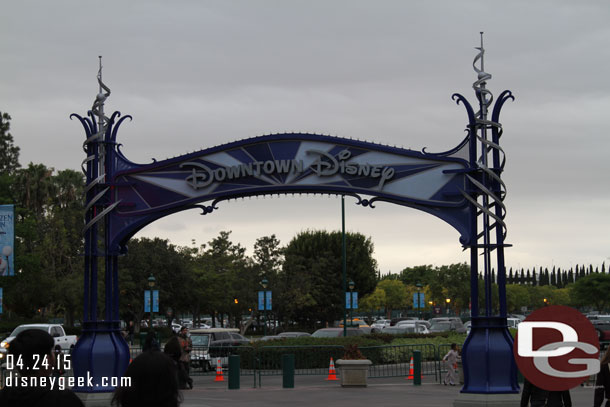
{"x": 233, "y": 372}
{"x": 288, "y": 371}
{"x": 417, "y": 367}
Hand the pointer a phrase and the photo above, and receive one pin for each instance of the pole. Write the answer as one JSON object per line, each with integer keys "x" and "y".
{"x": 343, "y": 263}
{"x": 418, "y": 302}
{"x": 351, "y": 307}
{"x": 264, "y": 311}
{"x": 150, "y": 325}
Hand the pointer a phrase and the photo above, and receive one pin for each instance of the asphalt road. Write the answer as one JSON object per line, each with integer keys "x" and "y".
{"x": 316, "y": 391}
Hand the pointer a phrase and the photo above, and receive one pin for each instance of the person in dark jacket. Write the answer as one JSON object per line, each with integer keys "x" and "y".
{"x": 154, "y": 383}
{"x": 559, "y": 399}
{"x": 532, "y": 395}
{"x": 34, "y": 387}
{"x": 602, "y": 382}
{"x": 174, "y": 351}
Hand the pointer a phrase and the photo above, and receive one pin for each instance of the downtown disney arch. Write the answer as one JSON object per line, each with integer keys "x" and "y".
{"x": 462, "y": 186}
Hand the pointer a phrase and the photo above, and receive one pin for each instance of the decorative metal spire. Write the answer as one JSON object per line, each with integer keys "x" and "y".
{"x": 97, "y": 154}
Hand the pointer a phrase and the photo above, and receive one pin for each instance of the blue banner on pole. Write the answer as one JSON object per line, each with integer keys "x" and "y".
{"x": 261, "y": 299}
{"x": 422, "y": 301}
{"x": 353, "y": 302}
{"x": 155, "y": 300}
{"x": 7, "y": 240}
{"x": 0, "y": 300}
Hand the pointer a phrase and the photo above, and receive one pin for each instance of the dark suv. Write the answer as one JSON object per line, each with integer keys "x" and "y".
{"x": 447, "y": 324}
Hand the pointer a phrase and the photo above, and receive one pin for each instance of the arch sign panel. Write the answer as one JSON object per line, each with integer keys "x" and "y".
{"x": 290, "y": 163}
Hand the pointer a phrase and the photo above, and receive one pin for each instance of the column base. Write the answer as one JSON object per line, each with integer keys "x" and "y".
{"x": 487, "y": 400}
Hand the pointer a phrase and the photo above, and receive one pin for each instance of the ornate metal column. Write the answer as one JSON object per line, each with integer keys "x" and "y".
{"x": 101, "y": 350}
{"x": 489, "y": 366}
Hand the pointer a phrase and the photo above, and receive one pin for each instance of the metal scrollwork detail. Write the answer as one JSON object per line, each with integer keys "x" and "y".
{"x": 490, "y": 185}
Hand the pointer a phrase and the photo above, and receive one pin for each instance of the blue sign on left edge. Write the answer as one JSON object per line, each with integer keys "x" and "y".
{"x": 7, "y": 240}
{"x": 0, "y": 300}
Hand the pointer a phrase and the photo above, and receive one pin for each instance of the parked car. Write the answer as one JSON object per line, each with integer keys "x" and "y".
{"x": 401, "y": 329}
{"x": 233, "y": 339}
{"x": 293, "y": 334}
{"x": 203, "y": 339}
{"x": 513, "y": 322}
{"x": 419, "y": 327}
{"x": 67, "y": 342}
{"x": 380, "y": 324}
{"x": 601, "y": 323}
{"x": 337, "y": 332}
{"x": 394, "y": 321}
{"x": 447, "y": 324}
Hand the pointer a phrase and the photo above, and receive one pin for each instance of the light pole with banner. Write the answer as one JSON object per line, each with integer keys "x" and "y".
{"x": 351, "y": 303}
{"x": 264, "y": 303}
{"x": 420, "y": 300}
{"x": 149, "y": 302}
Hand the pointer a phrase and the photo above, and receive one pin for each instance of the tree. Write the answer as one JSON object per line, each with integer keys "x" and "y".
{"x": 9, "y": 153}
{"x": 374, "y": 301}
{"x": 171, "y": 267}
{"x": 418, "y": 274}
{"x": 593, "y": 289}
{"x": 517, "y": 296}
{"x": 396, "y": 295}
{"x": 311, "y": 276}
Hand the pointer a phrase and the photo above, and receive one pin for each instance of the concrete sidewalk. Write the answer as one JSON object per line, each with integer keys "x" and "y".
{"x": 316, "y": 391}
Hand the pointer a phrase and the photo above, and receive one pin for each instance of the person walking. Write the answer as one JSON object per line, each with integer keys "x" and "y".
{"x": 451, "y": 358}
{"x": 602, "y": 382}
{"x": 559, "y": 399}
{"x": 532, "y": 395}
{"x": 185, "y": 358}
{"x": 174, "y": 351}
{"x": 130, "y": 331}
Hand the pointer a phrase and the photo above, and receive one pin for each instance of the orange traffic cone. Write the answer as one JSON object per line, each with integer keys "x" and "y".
{"x": 219, "y": 377}
{"x": 410, "y": 377}
{"x": 332, "y": 374}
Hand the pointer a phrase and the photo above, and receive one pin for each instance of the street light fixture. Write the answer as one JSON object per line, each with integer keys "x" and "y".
{"x": 351, "y": 286}
{"x": 151, "y": 284}
{"x": 447, "y": 300}
{"x": 264, "y": 284}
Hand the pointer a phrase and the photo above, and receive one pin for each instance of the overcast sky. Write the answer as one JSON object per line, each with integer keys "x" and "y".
{"x": 194, "y": 74}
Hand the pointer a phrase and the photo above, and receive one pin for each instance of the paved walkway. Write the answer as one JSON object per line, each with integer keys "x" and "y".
{"x": 315, "y": 391}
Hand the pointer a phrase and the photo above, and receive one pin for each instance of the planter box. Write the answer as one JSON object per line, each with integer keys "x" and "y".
{"x": 353, "y": 372}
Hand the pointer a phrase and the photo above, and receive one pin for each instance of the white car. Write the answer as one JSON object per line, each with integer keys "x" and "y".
{"x": 379, "y": 325}
{"x": 67, "y": 342}
{"x": 419, "y": 327}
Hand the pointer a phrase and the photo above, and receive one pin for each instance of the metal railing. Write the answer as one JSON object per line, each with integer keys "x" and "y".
{"x": 387, "y": 360}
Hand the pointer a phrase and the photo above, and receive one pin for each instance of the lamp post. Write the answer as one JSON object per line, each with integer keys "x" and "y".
{"x": 151, "y": 284}
{"x": 351, "y": 302}
{"x": 419, "y": 286}
{"x": 264, "y": 284}
{"x": 447, "y": 301}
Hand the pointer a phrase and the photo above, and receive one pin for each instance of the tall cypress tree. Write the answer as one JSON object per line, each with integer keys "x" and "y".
{"x": 509, "y": 280}
{"x": 553, "y": 279}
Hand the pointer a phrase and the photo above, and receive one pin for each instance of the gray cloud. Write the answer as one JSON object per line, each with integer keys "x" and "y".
{"x": 195, "y": 74}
